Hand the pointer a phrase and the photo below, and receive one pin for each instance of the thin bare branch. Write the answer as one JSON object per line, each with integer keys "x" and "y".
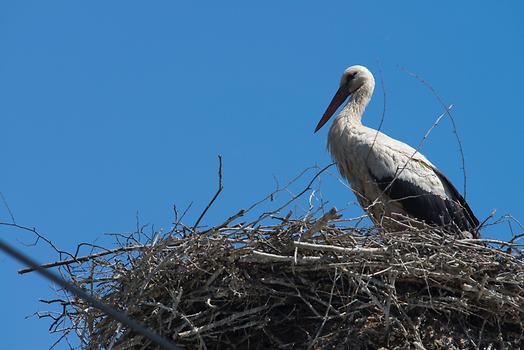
{"x": 81, "y": 259}
{"x": 8, "y": 208}
{"x": 452, "y": 119}
{"x": 220, "y": 187}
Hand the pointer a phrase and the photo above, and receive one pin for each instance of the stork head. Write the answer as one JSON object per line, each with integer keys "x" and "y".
{"x": 353, "y": 78}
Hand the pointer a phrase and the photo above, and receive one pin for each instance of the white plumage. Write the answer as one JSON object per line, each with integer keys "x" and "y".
{"x": 392, "y": 181}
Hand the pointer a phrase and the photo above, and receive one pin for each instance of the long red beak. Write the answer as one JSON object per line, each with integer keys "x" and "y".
{"x": 339, "y": 98}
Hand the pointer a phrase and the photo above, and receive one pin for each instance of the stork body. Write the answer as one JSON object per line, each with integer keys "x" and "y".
{"x": 392, "y": 181}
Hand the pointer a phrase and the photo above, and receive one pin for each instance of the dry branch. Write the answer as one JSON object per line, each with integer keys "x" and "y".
{"x": 84, "y": 258}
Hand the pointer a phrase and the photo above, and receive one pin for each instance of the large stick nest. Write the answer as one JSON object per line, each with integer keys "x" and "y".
{"x": 313, "y": 281}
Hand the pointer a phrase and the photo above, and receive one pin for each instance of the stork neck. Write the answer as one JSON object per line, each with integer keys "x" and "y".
{"x": 354, "y": 109}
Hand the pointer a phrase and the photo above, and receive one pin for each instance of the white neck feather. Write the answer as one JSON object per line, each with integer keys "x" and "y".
{"x": 354, "y": 109}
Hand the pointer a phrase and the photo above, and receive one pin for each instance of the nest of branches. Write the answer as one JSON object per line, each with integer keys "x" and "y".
{"x": 309, "y": 282}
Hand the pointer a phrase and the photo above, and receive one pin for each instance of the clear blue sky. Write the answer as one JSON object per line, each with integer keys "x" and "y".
{"x": 109, "y": 108}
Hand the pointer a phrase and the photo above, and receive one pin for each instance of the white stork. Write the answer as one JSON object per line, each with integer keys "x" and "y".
{"x": 392, "y": 181}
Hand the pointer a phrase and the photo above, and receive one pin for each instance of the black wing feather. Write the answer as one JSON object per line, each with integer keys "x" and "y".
{"x": 468, "y": 213}
{"x": 428, "y": 207}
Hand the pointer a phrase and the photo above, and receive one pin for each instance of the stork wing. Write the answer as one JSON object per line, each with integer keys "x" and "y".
{"x": 457, "y": 197}
{"x": 420, "y": 202}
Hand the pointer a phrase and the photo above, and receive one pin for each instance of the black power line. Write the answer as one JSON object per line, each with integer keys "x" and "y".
{"x": 115, "y": 314}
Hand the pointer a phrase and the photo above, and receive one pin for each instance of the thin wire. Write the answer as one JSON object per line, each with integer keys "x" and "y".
{"x": 115, "y": 314}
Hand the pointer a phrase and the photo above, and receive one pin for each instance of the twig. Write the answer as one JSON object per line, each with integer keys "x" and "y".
{"x": 328, "y": 307}
{"x": 7, "y": 207}
{"x": 220, "y": 187}
{"x": 263, "y": 256}
{"x": 38, "y": 236}
{"x": 82, "y": 258}
{"x": 448, "y": 112}
{"x": 307, "y": 188}
{"x": 227, "y": 222}
{"x": 331, "y": 248}
{"x": 224, "y": 321}
{"x": 321, "y": 223}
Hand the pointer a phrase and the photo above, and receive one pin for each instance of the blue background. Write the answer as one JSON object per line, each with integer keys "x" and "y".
{"x": 113, "y": 110}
